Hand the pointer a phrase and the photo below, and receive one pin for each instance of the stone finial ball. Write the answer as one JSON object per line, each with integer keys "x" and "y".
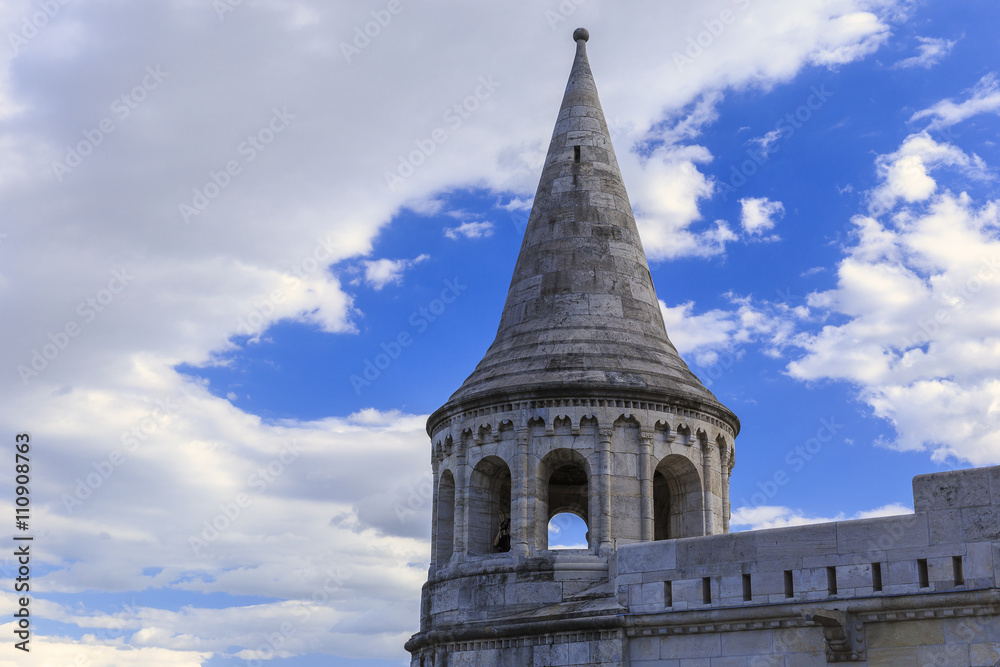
{"x": 581, "y": 33}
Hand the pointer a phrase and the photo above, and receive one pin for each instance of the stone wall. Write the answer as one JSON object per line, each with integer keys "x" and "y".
{"x": 576, "y": 649}
{"x": 919, "y": 589}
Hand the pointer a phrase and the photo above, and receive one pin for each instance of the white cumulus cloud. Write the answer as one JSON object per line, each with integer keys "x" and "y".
{"x": 763, "y": 517}
{"x": 916, "y": 294}
{"x": 470, "y": 230}
{"x": 983, "y": 98}
{"x": 930, "y": 52}
{"x": 382, "y": 272}
{"x": 757, "y": 214}
{"x": 906, "y": 173}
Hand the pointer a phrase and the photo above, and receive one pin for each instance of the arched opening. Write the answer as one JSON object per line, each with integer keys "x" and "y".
{"x": 445, "y": 529}
{"x": 489, "y": 503}
{"x": 677, "y": 499}
{"x": 565, "y": 485}
{"x": 661, "y": 507}
{"x": 567, "y": 531}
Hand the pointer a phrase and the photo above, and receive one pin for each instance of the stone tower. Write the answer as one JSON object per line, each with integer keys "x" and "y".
{"x": 581, "y": 404}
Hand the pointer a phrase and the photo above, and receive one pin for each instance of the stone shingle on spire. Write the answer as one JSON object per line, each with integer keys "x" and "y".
{"x": 581, "y": 311}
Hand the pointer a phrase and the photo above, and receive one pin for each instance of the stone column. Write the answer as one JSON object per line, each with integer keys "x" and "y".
{"x": 706, "y": 460}
{"x": 520, "y": 530}
{"x": 435, "y": 467}
{"x": 461, "y": 498}
{"x": 604, "y": 473}
{"x": 724, "y": 459}
{"x": 646, "y": 484}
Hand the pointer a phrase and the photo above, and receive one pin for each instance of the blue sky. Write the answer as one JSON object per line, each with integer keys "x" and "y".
{"x": 279, "y": 246}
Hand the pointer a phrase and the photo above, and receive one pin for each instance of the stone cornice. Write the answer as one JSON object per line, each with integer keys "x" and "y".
{"x": 601, "y": 398}
{"x": 880, "y": 609}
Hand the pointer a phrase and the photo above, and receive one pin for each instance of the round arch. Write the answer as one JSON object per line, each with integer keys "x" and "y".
{"x": 678, "y": 499}
{"x": 563, "y": 485}
{"x": 444, "y": 531}
{"x": 489, "y": 497}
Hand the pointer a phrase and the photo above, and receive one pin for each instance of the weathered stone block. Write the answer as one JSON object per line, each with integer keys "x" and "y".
{"x": 944, "y": 654}
{"x": 945, "y": 526}
{"x": 981, "y": 523}
{"x": 854, "y": 576}
{"x": 951, "y": 490}
{"x": 686, "y": 647}
{"x": 728, "y": 661}
{"x": 644, "y": 648}
{"x": 891, "y": 657}
{"x": 578, "y": 653}
{"x": 535, "y": 594}
{"x": 900, "y": 572}
{"x": 769, "y": 583}
{"x": 652, "y": 594}
{"x": 814, "y": 659}
{"x": 661, "y": 555}
{"x": 752, "y": 642}
{"x": 688, "y": 593}
{"x": 869, "y": 535}
{"x": 607, "y": 651}
{"x": 768, "y": 661}
{"x": 984, "y": 655}
{"x": 732, "y": 548}
{"x": 799, "y": 640}
{"x": 993, "y": 473}
{"x": 906, "y": 634}
{"x": 797, "y": 542}
{"x": 812, "y": 580}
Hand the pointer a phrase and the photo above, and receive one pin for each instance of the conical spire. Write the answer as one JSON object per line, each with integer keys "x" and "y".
{"x": 581, "y": 313}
